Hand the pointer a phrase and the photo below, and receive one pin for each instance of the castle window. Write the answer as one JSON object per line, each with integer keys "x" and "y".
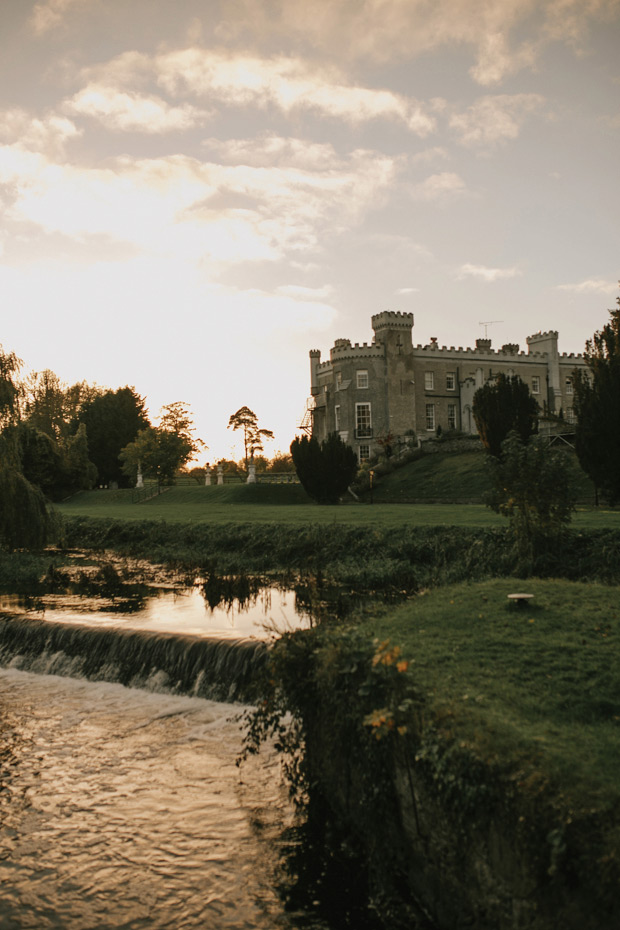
{"x": 364, "y": 453}
{"x": 535, "y": 385}
{"x": 430, "y": 417}
{"x": 337, "y": 418}
{"x": 569, "y": 385}
{"x": 363, "y": 421}
{"x": 429, "y": 380}
{"x": 570, "y": 415}
{"x": 451, "y": 416}
{"x": 338, "y": 379}
{"x": 362, "y": 379}
{"x": 450, "y": 381}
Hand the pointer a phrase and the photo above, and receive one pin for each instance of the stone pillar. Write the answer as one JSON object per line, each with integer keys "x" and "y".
{"x": 139, "y": 479}
{"x": 251, "y": 473}
{"x": 207, "y": 475}
{"x": 220, "y": 474}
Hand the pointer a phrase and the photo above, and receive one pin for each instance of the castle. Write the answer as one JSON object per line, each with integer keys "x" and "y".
{"x": 389, "y": 389}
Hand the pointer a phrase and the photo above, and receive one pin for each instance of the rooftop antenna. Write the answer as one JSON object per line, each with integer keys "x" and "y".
{"x": 487, "y": 324}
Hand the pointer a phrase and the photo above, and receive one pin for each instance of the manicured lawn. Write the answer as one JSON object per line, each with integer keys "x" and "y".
{"x": 244, "y": 504}
{"x": 540, "y": 681}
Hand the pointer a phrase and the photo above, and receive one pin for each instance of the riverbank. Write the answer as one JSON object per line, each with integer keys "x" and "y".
{"x": 470, "y": 747}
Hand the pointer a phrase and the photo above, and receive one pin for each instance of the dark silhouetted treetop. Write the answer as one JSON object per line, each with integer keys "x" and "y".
{"x": 502, "y": 406}
{"x": 9, "y": 387}
{"x": 324, "y": 469}
{"x": 597, "y": 408}
{"x": 113, "y": 420}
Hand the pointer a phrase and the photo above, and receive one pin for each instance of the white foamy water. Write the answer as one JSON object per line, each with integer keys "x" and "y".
{"x": 121, "y": 808}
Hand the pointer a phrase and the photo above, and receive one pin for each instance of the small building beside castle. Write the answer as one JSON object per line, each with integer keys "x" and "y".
{"x": 387, "y": 390}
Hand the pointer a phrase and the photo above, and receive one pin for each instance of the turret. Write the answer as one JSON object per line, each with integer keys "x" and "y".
{"x": 315, "y": 361}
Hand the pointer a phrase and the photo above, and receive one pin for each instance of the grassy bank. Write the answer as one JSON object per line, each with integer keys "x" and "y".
{"x": 289, "y": 506}
{"x": 402, "y": 557}
{"x": 480, "y": 755}
{"x": 448, "y": 477}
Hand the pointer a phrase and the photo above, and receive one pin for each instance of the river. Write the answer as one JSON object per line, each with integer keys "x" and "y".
{"x": 122, "y": 807}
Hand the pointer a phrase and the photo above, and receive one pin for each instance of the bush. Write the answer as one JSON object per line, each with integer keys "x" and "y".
{"x": 324, "y": 469}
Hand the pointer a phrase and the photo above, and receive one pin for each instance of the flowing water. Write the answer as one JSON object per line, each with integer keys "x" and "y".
{"x": 120, "y": 802}
{"x": 124, "y": 808}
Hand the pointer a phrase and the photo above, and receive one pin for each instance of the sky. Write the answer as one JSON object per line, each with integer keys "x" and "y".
{"x": 195, "y": 193}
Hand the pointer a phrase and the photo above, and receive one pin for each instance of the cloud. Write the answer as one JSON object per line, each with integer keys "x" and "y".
{"x": 298, "y": 292}
{"x": 407, "y": 290}
{"x": 205, "y": 210}
{"x": 132, "y": 111}
{"x": 444, "y": 186}
{"x": 242, "y": 80}
{"x": 504, "y": 36}
{"x": 486, "y": 274}
{"x": 493, "y": 120}
{"x": 47, "y": 135}
{"x": 50, "y": 14}
{"x": 589, "y": 286}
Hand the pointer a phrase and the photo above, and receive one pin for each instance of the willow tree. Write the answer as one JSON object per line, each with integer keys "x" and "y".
{"x": 25, "y": 521}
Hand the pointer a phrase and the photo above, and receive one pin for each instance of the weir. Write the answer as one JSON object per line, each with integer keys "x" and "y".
{"x": 173, "y": 663}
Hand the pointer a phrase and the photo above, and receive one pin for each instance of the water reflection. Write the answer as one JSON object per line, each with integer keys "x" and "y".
{"x": 259, "y": 613}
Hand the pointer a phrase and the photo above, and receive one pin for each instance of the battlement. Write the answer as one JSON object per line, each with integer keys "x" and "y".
{"x": 315, "y": 353}
{"x": 452, "y": 351}
{"x": 391, "y": 319}
{"x": 343, "y": 349}
{"x": 538, "y": 337}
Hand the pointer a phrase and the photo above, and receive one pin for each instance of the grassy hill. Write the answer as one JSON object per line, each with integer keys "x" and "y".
{"x": 457, "y": 478}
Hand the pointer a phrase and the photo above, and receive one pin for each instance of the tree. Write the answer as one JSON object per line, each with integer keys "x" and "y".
{"x": 324, "y": 469}
{"x": 246, "y": 420}
{"x": 113, "y": 419}
{"x": 501, "y": 407}
{"x": 51, "y": 406}
{"x": 530, "y": 486}
{"x": 161, "y": 451}
{"x": 597, "y": 407}
{"x": 25, "y": 521}
{"x": 9, "y": 389}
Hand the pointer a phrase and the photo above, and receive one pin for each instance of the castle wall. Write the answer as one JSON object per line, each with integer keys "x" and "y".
{"x": 372, "y": 393}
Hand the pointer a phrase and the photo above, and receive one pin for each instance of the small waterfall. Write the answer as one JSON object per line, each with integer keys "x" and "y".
{"x": 217, "y": 669}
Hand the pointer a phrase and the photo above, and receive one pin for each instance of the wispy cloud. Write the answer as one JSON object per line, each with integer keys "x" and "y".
{"x": 47, "y": 134}
{"x": 589, "y": 286}
{"x": 287, "y": 83}
{"x": 51, "y": 13}
{"x": 229, "y": 213}
{"x": 439, "y": 187}
{"x": 504, "y": 36}
{"x": 493, "y": 120}
{"x": 123, "y": 111}
{"x": 486, "y": 274}
{"x": 407, "y": 290}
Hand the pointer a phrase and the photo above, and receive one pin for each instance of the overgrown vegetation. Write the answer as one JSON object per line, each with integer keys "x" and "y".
{"x": 391, "y": 556}
{"x": 482, "y": 701}
{"x": 530, "y": 486}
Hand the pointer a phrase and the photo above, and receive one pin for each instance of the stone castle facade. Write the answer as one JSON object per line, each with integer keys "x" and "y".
{"x": 386, "y": 390}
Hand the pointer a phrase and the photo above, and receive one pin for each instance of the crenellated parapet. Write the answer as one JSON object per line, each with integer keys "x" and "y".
{"x": 343, "y": 349}
{"x": 391, "y": 319}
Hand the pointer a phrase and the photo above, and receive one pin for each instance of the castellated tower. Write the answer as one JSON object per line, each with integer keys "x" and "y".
{"x": 546, "y": 344}
{"x": 393, "y": 331}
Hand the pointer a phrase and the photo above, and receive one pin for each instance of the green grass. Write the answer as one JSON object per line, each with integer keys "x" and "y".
{"x": 540, "y": 681}
{"x": 447, "y": 477}
{"x": 289, "y": 505}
